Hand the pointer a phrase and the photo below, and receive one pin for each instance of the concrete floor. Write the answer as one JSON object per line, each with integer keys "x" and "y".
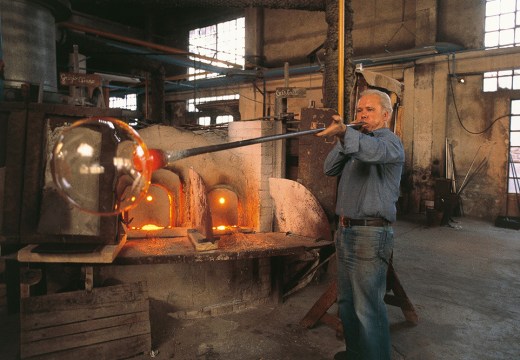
{"x": 464, "y": 282}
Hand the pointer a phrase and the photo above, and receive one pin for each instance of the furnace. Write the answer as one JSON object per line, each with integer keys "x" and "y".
{"x": 225, "y": 198}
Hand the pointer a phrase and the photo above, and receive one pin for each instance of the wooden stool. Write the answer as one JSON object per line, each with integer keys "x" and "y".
{"x": 318, "y": 312}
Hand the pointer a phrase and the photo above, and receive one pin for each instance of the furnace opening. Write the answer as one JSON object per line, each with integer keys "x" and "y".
{"x": 223, "y": 204}
{"x": 155, "y": 212}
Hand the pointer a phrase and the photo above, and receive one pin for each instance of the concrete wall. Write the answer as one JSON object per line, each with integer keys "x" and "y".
{"x": 429, "y": 117}
{"x": 261, "y": 161}
{"x": 189, "y": 290}
{"x": 438, "y": 108}
{"x": 432, "y": 96}
{"x": 290, "y": 35}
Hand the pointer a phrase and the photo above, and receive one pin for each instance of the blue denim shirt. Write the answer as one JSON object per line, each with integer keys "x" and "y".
{"x": 370, "y": 167}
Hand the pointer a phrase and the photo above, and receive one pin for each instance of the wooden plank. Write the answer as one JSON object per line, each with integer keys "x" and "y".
{"x": 31, "y": 335}
{"x": 121, "y": 349}
{"x": 318, "y": 312}
{"x": 404, "y": 302}
{"x": 105, "y": 255}
{"x": 394, "y": 300}
{"x": 200, "y": 242}
{"x": 14, "y": 164}
{"x": 230, "y": 247}
{"x": 55, "y": 309}
{"x": 320, "y": 307}
{"x": 28, "y": 278}
{"x": 84, "y": 339}
{"x": 334, "y": 323}
{"x": 110, "y": 323}
{"x": 54, "y": 318}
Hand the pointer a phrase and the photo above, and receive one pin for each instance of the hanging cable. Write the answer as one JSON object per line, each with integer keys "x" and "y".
{"x": 457, "y": 109}
{"x": 401, "y": 26}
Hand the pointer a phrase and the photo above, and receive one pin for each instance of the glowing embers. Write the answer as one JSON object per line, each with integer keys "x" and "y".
{"x": 229, "y": 230}
{"x": 224, "y": 209}
{"x": 154, "y": 213}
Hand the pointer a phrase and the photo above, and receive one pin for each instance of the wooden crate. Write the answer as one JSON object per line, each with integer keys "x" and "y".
{"x": 107, "y": 323}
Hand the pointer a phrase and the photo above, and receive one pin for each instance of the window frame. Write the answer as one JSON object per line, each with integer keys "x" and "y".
{"x": 501, "y": 24}
{"x": 513, "y": 163}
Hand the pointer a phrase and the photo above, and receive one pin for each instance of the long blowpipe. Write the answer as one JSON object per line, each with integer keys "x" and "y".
{"x": 169, "y": 157}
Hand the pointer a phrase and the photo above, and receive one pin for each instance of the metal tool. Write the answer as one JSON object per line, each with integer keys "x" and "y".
{"x": 171, "y": 156}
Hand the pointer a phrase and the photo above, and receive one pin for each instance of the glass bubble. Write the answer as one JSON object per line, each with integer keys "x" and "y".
{"x": 100, "y": 165}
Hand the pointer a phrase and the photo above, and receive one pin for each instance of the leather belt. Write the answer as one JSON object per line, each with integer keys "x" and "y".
{"x": 348, "y": 222}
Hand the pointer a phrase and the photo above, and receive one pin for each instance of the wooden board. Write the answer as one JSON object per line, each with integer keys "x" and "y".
{"x": 200, "y": 242}
{"x": 312, "y": 152}
{"x": 230, "y": 247}
{"x": 105, "y": 254}
{"x": 111, "y": 323}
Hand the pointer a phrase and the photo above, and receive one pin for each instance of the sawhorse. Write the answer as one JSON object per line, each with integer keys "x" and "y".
{"x": 318, "y": 312}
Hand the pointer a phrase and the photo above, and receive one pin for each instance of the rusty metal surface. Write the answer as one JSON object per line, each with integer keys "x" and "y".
{"x": 312, "y": 154}
{"x": 230, "y": 247}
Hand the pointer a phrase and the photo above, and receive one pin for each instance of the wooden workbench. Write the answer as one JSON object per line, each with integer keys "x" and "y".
{"x": 230, "y": 247}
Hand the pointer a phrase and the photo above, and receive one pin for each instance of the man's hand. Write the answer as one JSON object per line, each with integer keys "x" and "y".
{"x": 336, "y": 128}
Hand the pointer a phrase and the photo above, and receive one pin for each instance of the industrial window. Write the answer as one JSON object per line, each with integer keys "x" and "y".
{"x": 223, "y": 119}
{"x": 513, "y": 185}
{"x": 224, "y": 41}
{"x": 206, "y": 120}
{"x": 128, "y": 102}
{"x": 504, "y": 79}
{"x": 502, "y": 24}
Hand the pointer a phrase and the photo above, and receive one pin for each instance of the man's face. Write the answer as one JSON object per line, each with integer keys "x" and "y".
{"x": 369, "y": 110}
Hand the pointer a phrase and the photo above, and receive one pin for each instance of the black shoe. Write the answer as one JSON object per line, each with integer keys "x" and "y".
{"x": 342, "y": 355}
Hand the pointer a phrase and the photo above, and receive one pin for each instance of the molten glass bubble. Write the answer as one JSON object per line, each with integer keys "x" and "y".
{"x": 101, "y": 166}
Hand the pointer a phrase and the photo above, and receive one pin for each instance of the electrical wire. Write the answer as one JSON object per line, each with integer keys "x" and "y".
{"x": 457, "y": 109}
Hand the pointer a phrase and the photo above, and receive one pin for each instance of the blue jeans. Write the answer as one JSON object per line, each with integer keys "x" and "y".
{"x": 363, "y": 254}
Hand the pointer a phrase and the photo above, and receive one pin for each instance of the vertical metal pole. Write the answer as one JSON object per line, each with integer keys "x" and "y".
{"x": 341, "y": 57}
{"x": 73, "y": 90}
{"x": 1, "y": 65}
{"x": 146, "y": 97}
{"x": 286, "y": 73}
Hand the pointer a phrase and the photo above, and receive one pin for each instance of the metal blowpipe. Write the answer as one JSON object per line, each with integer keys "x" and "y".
{"x": 171, "y": 156}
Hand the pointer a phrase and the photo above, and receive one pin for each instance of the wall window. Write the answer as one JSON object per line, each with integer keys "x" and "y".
{"x": 504, "y": 79}
{"x": 205, "y": 120}
{"x": 502, "y": 24}
{"x": 513, "y": 185}
{"x": 223, "y": 119}
{"x": 224, "y": 41}
{"x": 128, "y": 102}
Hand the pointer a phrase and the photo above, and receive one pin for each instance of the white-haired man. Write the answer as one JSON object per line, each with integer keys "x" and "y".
{"x": 370, "y": 163}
